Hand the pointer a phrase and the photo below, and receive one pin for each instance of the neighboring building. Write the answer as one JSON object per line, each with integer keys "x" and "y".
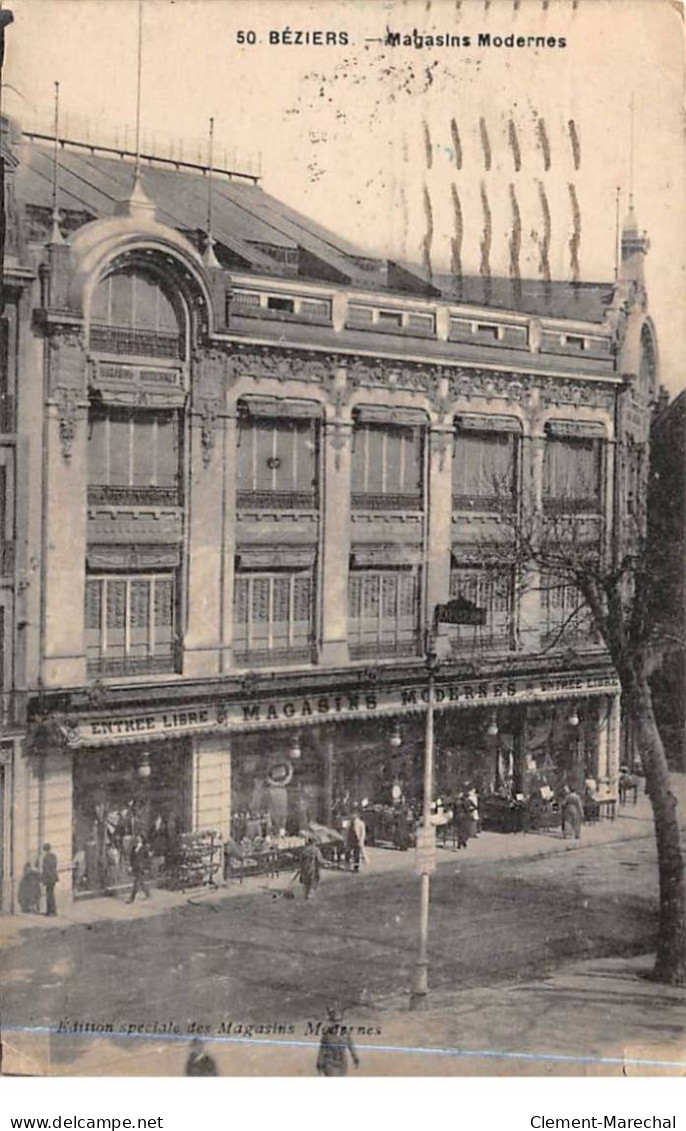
{"x": 253, "y": 470}
{"x": 668, "y": 521}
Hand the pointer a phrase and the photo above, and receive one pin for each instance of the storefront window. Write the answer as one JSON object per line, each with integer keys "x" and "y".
{"x": 131, "y": 313}
{"x": 566, "y": 617}
{"x": 273, "y": 616}
{"x": 119, "y": 794}
{"x": 492, "y": 591}
{"x": 133, "y": 456}
{"x": 129, "y": 623}
{"x": 484, "y": 470}
{"x": 572, "y": 475}
{"x": 387, "y": 466}
{"x": 383, "y": 612}
{"x": 277, "y": 458}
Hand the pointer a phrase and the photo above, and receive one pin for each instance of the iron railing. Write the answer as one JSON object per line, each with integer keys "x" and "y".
{"x": 276, "y": 500}
{"x": 131, "y": 665}
{"x": 260, "y": 657}
{"x": 387, "y": 502}
{"x": 563, "y": 505}
{"x": 498, "y": 504}
{"x": 136, "y": 343}
{"x": 381, "y": 649}
{"x": 134, "y": 496}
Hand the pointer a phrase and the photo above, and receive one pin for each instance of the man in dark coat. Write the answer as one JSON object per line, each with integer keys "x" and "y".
{"x": 335, "y": 1047}
{"x": 199, "y": 1062}
{"x": 139, "y": 865}
{"x": 311, "y": 863}
{"x": 49, "y": 877}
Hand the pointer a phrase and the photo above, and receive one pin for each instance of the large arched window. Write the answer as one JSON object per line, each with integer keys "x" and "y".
{"x": 132, "y": 314}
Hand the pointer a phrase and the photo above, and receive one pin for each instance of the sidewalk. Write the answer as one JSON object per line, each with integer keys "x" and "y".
{"x": 632, "y": 822}
{"x": 601, "y": 1017}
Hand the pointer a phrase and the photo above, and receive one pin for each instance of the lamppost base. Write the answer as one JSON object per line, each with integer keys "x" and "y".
{"x": 419, "y": 1002}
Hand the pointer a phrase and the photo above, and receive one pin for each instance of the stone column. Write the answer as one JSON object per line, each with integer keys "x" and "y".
{"x": 64, "y": 541}
{"x": 529, "y": 583}
{"x": 201, "y": 639}
{"x": 439, "y": 522}
{"x": 328, "y": 756}
{"x": 228, "y": 540}
{"x": 335, "y": 541}
{"x": 609, "y": 726}
{"x": 211, "y": 784}
{"x": 52, "y": 819}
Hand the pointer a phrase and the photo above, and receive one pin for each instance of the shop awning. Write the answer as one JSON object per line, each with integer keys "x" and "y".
{"x": 575, "y": 429}
{"x": 363, "y": 557}
{"x": 385, "y": 414}
{"x": 268, "y": 557}
{"x": 474, "y": 422}
{"x": 280, "y": 407}
{"x": 138, "y": 556}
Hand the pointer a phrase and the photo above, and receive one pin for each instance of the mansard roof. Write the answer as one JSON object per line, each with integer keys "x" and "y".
{"x": 255, "y": 232}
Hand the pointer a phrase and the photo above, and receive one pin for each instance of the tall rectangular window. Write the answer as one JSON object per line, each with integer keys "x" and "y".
{"x": 133, "y": 456}
{"x": 484, "y": 470}
{"x": 383, "y": 612}
{"x": 387, "y": 466}
{"x": 566, "y": 619}
{"x": 572, "y": 475}
{"x": 273, "y": 616}
{"x": 490, "y": 590}
{"x": 130, "y": 623}
{"x": 277, "y": 461}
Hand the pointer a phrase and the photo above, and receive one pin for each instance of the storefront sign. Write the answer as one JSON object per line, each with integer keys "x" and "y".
{"x": 425, "y": 854}
{"x": 304, "y": 710}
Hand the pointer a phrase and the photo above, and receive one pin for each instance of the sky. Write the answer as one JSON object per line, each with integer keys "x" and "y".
{"x": 405, "y": 150}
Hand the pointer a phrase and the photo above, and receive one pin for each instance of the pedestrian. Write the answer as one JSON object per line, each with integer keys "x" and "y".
{"x": 138, "y": 861}
{"x": 311, "y": 863}
{"x": 49, "y": 877}
{"x": 29, "y": 891}
{"x": 199, "y": 1062}
{"x": 462, "y": 820}
{"x": 474, "y": 802}
{"x": 355, "y": 841}
{"x": 572, "y": 814}
{"x": 402, "y": 831}
{"x": 335, "y": 1047}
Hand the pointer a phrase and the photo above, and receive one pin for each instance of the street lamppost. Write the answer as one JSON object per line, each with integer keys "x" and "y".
{"x": 426, "y": 839}
{"x": 456, "y": 611}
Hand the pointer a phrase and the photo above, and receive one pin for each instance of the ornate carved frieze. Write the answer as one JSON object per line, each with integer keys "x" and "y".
{"x": 579, "y": 394}
{"x": 209, "y": 412}
{"x": 465, "y": 384}
{"x": 67, "y": 409}
{"x": 281, "y": 365}
{"x": 390, "y": 375}
{"x": 66, "y": 359}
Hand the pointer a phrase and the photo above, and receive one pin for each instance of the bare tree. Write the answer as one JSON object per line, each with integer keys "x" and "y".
{"x": 618, "y": 594}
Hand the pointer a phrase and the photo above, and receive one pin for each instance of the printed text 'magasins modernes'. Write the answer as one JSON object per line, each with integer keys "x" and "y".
{"x": 419, "y": 39}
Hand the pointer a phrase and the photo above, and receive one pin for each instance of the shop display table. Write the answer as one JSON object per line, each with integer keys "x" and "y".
{"x": 607, "y": 808}
{"x": 271, "y": 859}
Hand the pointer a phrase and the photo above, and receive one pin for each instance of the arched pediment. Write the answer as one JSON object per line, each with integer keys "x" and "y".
{"x": 123, "y": 242}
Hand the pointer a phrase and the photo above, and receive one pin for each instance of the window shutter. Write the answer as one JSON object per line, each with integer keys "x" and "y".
{"x": 164, "y": 590}
{"x": 301, "y": 599}
{"x": 93, "y": 605}
{"x": 116, "y": 604}
{"x": 139, "y": 604}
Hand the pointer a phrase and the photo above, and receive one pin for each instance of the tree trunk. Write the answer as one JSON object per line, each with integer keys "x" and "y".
{"x": 670, "y": 963}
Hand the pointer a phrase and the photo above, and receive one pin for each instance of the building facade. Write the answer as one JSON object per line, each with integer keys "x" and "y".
{"x": 253, "y": 467}
{"x": 667, "y": 512}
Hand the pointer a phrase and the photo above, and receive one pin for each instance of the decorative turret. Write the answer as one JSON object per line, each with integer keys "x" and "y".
{"x": 137, "y": 203}
{"x": 634, "y": 247}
